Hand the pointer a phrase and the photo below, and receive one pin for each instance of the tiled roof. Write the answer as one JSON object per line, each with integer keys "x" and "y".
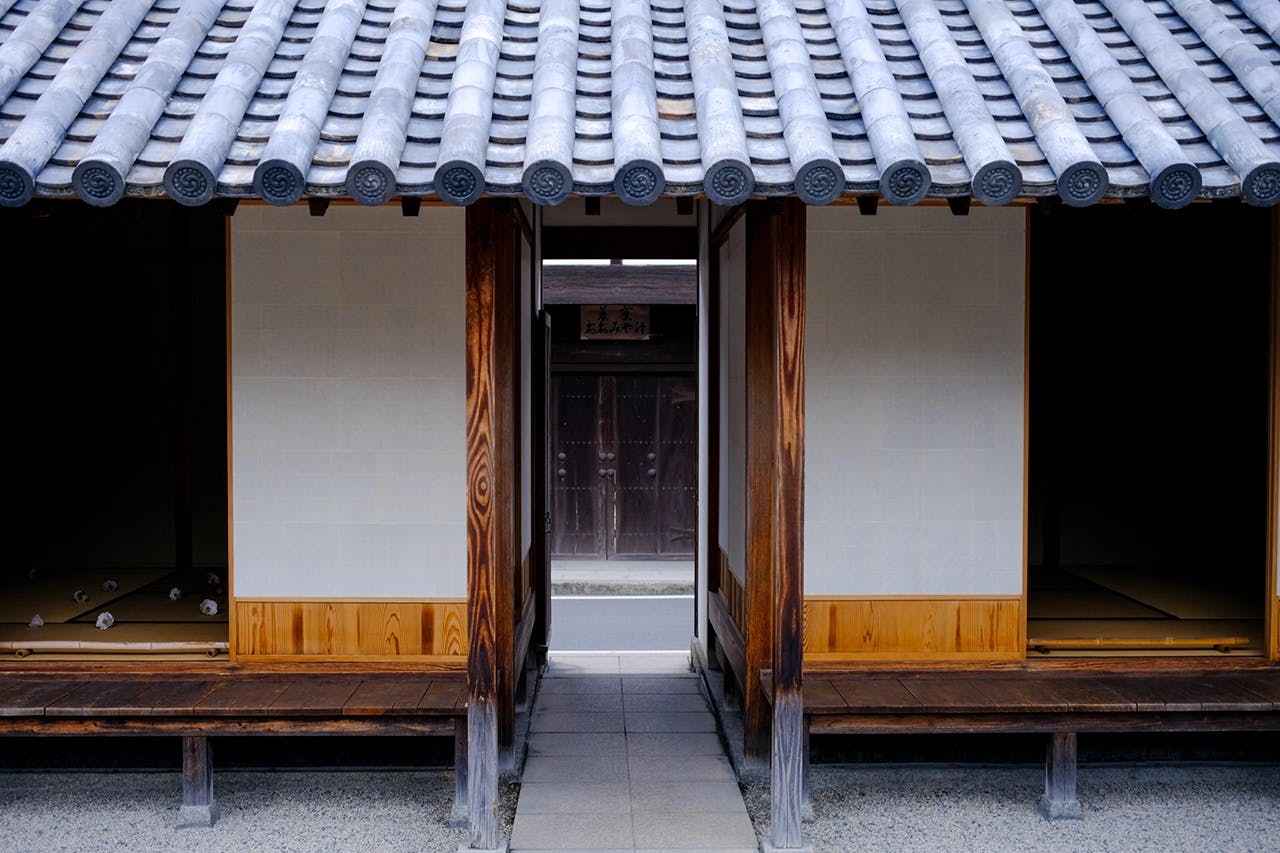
{"x": 907, "y": 99}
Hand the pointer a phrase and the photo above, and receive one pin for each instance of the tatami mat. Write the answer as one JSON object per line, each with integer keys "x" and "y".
{"x": 51, "y": 593}
{"x": 1087, "y": 603}
{"x": 1198, "y": 596}
{"x": 137, "y": 637}
{"x": 149, "y": 606}
{"x": 1149, "y": 633}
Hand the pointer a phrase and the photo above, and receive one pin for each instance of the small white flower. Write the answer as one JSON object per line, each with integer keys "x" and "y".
{"x": 213, "y": 579}
{"x": 105, "y": 620}
{"x": 109, "y": 586}
{"x": 175, "y": 594}
{"x": 35, "y": 622}
{"x": 81, "y": 596}
{"x": 209, "y": 607}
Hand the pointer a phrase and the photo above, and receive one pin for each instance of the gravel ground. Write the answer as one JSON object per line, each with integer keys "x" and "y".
{"x": 1141, "y": 808}
{"x": 278, "y": 811}
{"x": 864, "y": 808}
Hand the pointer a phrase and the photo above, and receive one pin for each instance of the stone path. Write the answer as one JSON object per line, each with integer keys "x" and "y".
{"x": 623, "y": 755}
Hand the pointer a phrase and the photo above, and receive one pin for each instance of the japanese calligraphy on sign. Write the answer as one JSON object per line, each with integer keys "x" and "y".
{"x": 615, "y": 322}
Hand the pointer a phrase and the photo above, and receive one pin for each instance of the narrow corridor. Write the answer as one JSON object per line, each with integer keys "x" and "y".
{"x": 624, "y": 755}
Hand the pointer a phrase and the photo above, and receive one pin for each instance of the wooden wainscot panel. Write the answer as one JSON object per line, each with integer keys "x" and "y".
{"x": 1275, "y": 628}
{"x": 434, "y": 631}
{"x": 734, "y": 595}
{"x": 841, "y": 628}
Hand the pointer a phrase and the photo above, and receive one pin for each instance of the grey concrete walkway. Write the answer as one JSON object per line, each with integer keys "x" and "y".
{"x": 623, "y": 754}
{"x": 622, "y": 577}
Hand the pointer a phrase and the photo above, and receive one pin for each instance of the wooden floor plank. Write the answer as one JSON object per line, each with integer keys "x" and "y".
{"x": 963, "y": 694}
{"x": 390, "y": 695}
{"x": 318, "y": 696}
{"x": 242, "y": 696}
{"x": 1087, "y": 694}
{"x": 178, "y": 698}
{"x": 821, "y": 696}
{"x": 24, "y": 697}
{"x": 103, "y": 698}
{"x": 445, "y": 693}
{"x": 877, "y": 695}
{"x": 1154, "y": 693}
{"x": 1264, "y": 684}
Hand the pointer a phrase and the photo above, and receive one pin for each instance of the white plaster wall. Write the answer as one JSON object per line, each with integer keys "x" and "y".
{"x": 914, "y": 366}
{"x": 348, "y": 403}
{"x": 733, "y": 399}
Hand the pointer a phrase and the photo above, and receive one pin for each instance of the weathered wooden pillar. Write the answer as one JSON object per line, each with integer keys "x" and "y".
{"x": 761, "y": 503}
{"x": 490, "y": 518}
{"x": 198, "y": 806}
{"x": 1059, "y": 800}
{"x": 775, "y": 366}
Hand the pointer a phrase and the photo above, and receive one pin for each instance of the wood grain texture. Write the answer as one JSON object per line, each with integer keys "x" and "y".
{"x": 1273, "y": 451}
{"x": 761, "y": 501}
{"x": 912, "y": 629}
{"x": 733, "y": 594}
{"x": 728, "y": 638}
{"x": 1275, "y": 628}
{"x": 491, "y": 529}
{"x": 787, "y": 758}
{"x": 344, "y": 629}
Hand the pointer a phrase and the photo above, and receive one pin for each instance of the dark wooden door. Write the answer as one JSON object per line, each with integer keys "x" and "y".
{"x": 625, "y": 459}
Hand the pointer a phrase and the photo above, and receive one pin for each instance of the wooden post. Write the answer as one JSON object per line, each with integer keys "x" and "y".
{"x": 1059, "y": 800}
{"x": 490, "y": 523}
{"x": 458, "y": 815}
{"x": 761, "y": 502}
{"x": 1273, "y": 455}
{"x": 198, "y": 805}
{"x": 787, "y": 756}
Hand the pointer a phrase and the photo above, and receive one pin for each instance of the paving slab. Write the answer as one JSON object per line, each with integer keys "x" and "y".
{"x": 626, "y": 761}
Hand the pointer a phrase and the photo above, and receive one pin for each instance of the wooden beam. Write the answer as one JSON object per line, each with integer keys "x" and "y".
{"x": 620, "y": 285}
{"x": 490, "y": 524}
{"x": 788, "y": 309}
{"x": 607, "y": 242}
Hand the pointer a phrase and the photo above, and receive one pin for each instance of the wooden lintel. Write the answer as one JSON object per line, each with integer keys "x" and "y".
{"x": 619, "y": 284}
{"x": 599, "y": 241}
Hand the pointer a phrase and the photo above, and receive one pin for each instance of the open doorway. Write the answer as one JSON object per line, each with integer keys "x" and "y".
{"x": 118, "y": 533}
{"x": 622, "y": 431}
{"x": 1148, "y": 433}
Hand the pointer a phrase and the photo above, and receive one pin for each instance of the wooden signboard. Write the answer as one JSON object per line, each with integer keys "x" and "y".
{"x": 614, "y": 322}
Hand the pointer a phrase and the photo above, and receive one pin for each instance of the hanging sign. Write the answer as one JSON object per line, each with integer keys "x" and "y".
{"x": 615, "y": 322}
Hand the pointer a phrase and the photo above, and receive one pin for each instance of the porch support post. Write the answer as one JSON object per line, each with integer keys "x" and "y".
{"x": 1059, "y": 800}
{"x": 782, "y": 232}
{"x": 490, "y": 523}
{"x": 198, "y": 805}
{"x": 760, "y": 500}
